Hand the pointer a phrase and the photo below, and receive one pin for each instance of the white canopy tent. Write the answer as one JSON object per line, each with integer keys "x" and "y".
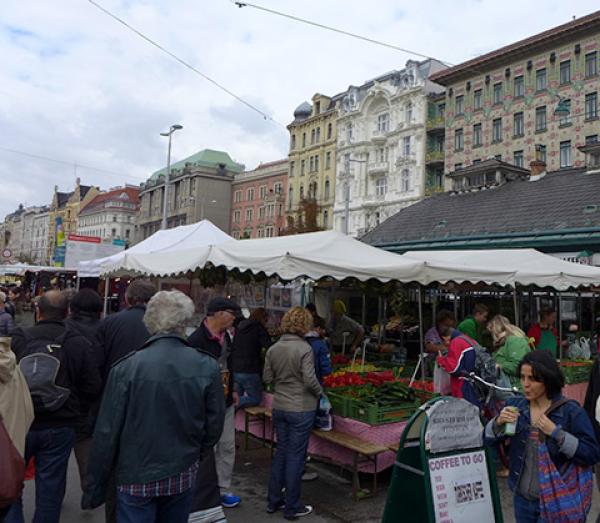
{"x": 526, "y": 266}
{"x": 19, "y": 269}
{"x": 193, "y": 236}
{"x": 313, "y": 255}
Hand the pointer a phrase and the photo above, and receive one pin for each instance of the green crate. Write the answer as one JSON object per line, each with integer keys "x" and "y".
{"x": 375, "y": 414}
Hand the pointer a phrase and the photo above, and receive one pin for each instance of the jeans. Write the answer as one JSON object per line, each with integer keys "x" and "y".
{"x": 526, "y": 511}
{"x": 225, "y": 451}
{"x": 51, "y": 449}
{"x": 251, "y": 386}
{"x": 293, "y": 431}
{"x": 163, "y": 509}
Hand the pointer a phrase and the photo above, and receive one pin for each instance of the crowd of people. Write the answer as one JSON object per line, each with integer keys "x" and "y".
{"x": 75, "y": 382}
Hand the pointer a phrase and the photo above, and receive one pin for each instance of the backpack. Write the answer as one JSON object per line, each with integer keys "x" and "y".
{"x": 485, "y": 368}
{"x": 40, "y": 365}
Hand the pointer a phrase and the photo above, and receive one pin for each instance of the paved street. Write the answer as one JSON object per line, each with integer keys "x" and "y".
{"x": 330, "y": 495}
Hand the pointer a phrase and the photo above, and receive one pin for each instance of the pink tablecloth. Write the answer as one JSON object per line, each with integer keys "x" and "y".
{"x": 576, "y": 391}
{"x": 387, "y": 434}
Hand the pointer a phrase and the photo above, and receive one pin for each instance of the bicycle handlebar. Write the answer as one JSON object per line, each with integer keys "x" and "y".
{"x": 473, "y": 377}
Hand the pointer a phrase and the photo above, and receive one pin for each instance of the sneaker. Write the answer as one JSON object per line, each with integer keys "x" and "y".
{"x": 309, "y": 476}
{"x": 272, "y": 510}
{"x": 304, "y": 511}
{"x": 230, "y": 500}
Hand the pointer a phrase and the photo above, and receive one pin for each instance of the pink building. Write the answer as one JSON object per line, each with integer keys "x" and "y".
{"x": 258, "y": 201}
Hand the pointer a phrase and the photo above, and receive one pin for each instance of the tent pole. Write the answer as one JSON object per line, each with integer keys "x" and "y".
{"x": 364, "y": 310}
{"x": 106, "y": 287}
{"x": 516, "y": 306}
{"x": 421, "y": 346}
{"x": 560, "y": 333}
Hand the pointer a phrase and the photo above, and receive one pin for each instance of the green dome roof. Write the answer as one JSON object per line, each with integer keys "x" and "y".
{"x": 204, "y": 158}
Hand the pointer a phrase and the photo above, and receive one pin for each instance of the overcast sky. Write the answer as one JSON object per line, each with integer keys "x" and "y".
{"x": 77, "y": 86}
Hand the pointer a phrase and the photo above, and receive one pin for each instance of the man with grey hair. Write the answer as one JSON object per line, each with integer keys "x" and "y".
{"x": 166, "y": 384}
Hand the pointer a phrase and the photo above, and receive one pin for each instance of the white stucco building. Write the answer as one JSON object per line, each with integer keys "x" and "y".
{"x": 37, "y": 230}
{"x": 382, "y": 145}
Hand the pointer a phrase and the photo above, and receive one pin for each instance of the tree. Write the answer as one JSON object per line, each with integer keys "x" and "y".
{"x": 305, "y": 219}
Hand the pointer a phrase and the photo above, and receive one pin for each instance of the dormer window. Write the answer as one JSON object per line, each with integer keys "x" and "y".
{"x": 592, "y": 154}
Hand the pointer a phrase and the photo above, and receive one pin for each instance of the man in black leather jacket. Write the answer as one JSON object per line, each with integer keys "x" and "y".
{"x": 162, "y": 410}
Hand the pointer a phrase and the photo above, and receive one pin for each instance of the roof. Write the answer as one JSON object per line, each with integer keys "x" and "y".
{"x": 487, "y": 165}
{"x": 62, "y": 198}
{"x": 561, "y": 204}
{"x": 129, "y": 194}
{"x": 204, "y": 158}
{"x": 83, "y": 190}
{"x": 527, "y": 46}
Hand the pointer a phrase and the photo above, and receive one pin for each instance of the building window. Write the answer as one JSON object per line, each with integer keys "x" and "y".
{"x": 518, "y": 158}
{"x": 327, "y": 189}
{"x": 591, "y": 64}
{"x": 540, "y": 118}
{"x": 477, "y": 99}
{"x": 325, "y": 219}
{"x": 237, "y": 197}
{"x": 498, "y": 157}
{"x": 381, "y": 186}
{"x": 113, "y": 232}
{"x": 383, "y": 122}
{"x": 269, "y": 231}
{"x": 591, "y": 106}
{"x": 317, "y": 162}
{"x": 566, "y": 119}
{"x": 406, "y": 146}
{"x": 248, "y": 215}
{"x": 250, "y": 194}
{"x": 311, "y": 164}
{"x": 318, "y": 135}
{"x": 408, "y": 113}
{"x": 498, "y": 93}
{"x": 565, "y": 72}
{"x": 405, "y": 180}
{"x": 303, "y": 139}
{"x": 262, "y": 190}
{"x": 329, "y": 131}
{"x": 301, "y": 192}
{"x": 293, "y": 142}
{"x": 236, "y": 216}
{"x": 302, "y": 167}
{"x": 565, "y": 154}
{"x": 541, "y": 80}
{"x": 290, "y": 197}
{"x": 312, "y": 136}
{"x": 458, "y": 140}
{"x": 589, "y": 140}
{"x": 349, "y": 132}
{"x": 497, "y": 130}
{"x": 519, "y": 86}
{"x": 277, "y": 188}
{"x": 518, "y": 124}
{"x": 459, "y": 105}
{"x": 542, "y": 153}
{"x": 458, "y": 166}
{"x": 328, "y": 160}
{"x": 292, "y": 165}
{"x": 477, "y": 135}
{"x": 261, "y": 213}
{"x": 441, "y": 110}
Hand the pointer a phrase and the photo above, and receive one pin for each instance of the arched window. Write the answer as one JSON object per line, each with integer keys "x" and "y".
{"x": 327, "y": 189}
{"x": 290, "y": 197}
{"x": 408, "y": 112}
{"x": 303, "y": 139}
{"x": 312, "y": 136}
{"x": 293, "y": 143}
{"x": 329, "y": 131}
{"x": 405, "y": 180}
{"x": 349, "y": 132}
{"x": 301, "y": 192}
{"x": 325, "y": 219}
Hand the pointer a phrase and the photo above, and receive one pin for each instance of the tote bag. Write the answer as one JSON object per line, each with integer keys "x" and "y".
{"x": 12, "y": 469}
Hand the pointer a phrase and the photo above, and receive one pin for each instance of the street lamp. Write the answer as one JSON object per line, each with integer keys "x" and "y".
{"x": 562, "y": 108}
{"x": 169, "y": 133}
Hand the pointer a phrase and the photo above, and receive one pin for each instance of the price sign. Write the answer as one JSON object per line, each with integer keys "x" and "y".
{"x": 460, "y": 488}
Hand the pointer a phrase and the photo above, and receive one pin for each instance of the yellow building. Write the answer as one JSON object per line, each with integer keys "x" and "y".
{"x": 64, "y": 216}
{"x": 313, "y": 137}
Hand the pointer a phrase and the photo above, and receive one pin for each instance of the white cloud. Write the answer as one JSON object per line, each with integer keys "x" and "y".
{"x": 76, "y": 85}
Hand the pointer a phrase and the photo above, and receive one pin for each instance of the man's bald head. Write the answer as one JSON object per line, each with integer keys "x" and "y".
{"x": 53, "y": 306}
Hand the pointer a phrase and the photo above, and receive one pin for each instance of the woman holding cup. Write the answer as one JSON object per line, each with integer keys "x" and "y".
{"x": 552, "y": 441}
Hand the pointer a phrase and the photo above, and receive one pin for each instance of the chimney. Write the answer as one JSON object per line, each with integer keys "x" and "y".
{"x": 538, "y": 166}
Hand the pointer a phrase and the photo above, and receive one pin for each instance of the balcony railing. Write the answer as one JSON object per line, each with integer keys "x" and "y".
{"x": 378, "y": 167}
{"x": 434, "y": 157}
{"x": 435, "y": 123}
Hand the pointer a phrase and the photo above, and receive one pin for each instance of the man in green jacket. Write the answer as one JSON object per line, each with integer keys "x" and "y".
{"x": 473, "y": 325}
{"x": 163, "y": 409}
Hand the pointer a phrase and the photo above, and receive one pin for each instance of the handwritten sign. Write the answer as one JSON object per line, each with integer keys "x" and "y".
{"x": 454, "y": 424}
{"x": 460, "y": 488}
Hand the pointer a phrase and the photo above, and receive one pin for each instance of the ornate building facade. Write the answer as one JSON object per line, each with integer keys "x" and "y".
{"x": 503, "y": 104}
{"x": 381, "y": 146}
{"x": 258, "y": 201}
{"x": 312, "y": 159}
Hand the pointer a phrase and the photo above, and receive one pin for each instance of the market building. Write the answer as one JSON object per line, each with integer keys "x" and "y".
{"x": 258, "y": 201}
{"x": 503, "y": 104}
{"x": 200, "y": 187}
{"x": 64, "y": 216}
{"x": 111, "y": 214}
{"x": 383, "y": 140}
{"x": 495, "y": 204}
{"x": 312, "y": 160}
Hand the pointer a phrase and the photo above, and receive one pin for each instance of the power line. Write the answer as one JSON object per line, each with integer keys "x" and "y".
{"x": 185, "y": 64}
{"x": 340, "y": 31}
{"x": 63, "y": 162}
